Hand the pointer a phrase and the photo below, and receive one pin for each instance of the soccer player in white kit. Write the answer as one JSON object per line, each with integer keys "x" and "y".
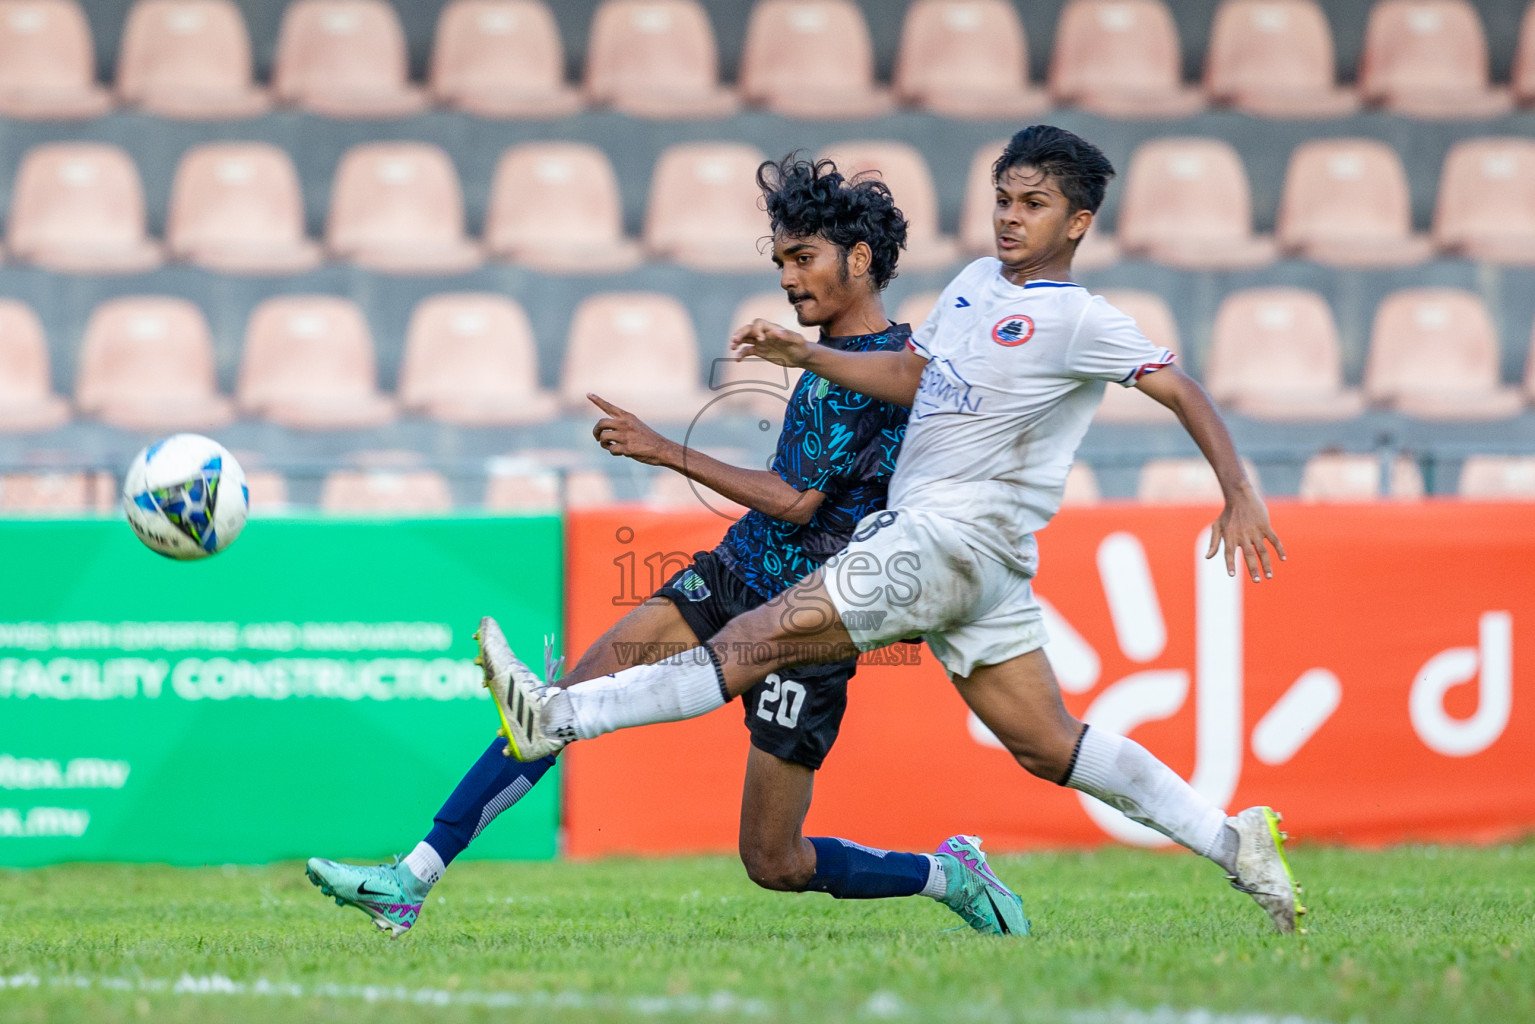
{"x": 1002, "y": 381}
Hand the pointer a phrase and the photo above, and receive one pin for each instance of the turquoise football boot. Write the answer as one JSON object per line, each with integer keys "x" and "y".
{"x": 976, "y": 894}
{"x": 388, "y": 893}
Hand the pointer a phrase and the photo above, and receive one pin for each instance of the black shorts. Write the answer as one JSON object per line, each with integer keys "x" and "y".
{"x": 793, "y": 714}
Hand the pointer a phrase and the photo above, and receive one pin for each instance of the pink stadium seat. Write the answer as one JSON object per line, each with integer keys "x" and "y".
{"x": 1428, "y": 58}
{"x": 470, "y": 359}
{"x": 1346, "y": 203}
{"x": 556, "y": 206}
{"x": 27, "y": 400}
{"x": 268, "y": 491}
{"x": 1486, "y": 206}
{"x": 1434, "y": 355}
{"x": 385, "y": 492}
{"x": 1498, "y": 478}
{"x": 344, "y": 58}
{"x": 900, "y": 166}
{"x": 755, "y": 386}
{"x": 236, "y": 207}
{"x": 1274, "y": 58}
{"x": 78, "y": 207}
{"x": 397, "y": 207}
{"x": 189, "y": 59}
{"x": 656, "y": 58}
{"x": 1120, "y": 58}
{"x": 587, "y": 488}
{"x": 916, "y": 308}
{"x": 44, "y": 493}
{"x": 47, "y": 62}
{"x": 1152, "y": 315}
{"x": 670, "y": 491}
{"x": 1524, "y": 59}
{"x": 966, "y": 58}
{"x": 1275, "y": 355}
{"x": 1340, "y": 477}
{"x": 1183, "y": 482}
{"x": 978, "y": 237}
{"x": 811, "y": 59}
{"x": 309, "y": 363}
{"x": 636, "y": 350}
{"x": 147, "y": 364}
{"x": 1186, "y": 203}
{"x": 501, "y": 58}
{"x": 703, "y": 210}
{"x": 517, "y": 484}
{"x": 1081, "y": 487}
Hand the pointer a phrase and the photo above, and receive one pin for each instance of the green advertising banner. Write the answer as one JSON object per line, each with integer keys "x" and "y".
{"x": 309, "y": 692}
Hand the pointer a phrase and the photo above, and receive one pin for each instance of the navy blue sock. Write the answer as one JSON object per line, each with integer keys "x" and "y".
{"x": 852, "y": 872}
{"x": 495, "y": 783}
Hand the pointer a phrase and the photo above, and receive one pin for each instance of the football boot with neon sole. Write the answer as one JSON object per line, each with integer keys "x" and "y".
{"x": 520, "y": 697}
{"x": 388, "y": 893}
{"x": 975, "y": 893}
{"x": 1262, "y": 871}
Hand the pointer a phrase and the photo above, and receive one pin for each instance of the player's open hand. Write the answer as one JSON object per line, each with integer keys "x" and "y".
{"x": 623, "y": 433}
{"x": 1244, "y": 525}
{"x": 767, "y": 340}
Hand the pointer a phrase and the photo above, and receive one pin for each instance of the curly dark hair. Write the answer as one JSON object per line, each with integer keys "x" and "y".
{"x": 1078, "y": 167}
{"x": 811, "y": 197}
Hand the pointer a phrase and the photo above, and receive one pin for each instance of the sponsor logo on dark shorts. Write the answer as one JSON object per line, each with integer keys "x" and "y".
{"x": 693, "y": 586}
{"x": 1013, "y": 330}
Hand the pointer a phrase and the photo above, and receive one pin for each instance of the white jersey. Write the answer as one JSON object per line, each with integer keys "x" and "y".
{"x": 1014, "y": 375}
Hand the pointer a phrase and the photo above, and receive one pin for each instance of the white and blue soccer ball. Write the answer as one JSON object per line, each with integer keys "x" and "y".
{"x": 185, "y": 497}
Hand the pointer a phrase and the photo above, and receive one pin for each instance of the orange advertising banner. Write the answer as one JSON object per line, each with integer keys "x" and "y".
{"x": 1380, "y": 688}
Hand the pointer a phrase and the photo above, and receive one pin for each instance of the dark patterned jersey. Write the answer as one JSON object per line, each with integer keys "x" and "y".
{"x": 835, "y": 441}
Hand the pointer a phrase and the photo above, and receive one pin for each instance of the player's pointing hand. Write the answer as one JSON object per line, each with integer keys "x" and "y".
{"x": 622, "y": 433}
{"x": 1244, "y": 525}
{"x": 769, "y": 341}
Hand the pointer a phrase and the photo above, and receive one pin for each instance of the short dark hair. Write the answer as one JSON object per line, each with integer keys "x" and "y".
{"x": 1078, "y": 167}
{"x": 811, "y": 197}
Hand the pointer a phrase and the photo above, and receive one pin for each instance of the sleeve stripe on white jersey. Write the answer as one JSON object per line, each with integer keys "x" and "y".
{"x": 1167, "y": 358}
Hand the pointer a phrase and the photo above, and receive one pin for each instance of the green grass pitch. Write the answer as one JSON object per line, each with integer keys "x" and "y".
{"x": 1412, "y": 934}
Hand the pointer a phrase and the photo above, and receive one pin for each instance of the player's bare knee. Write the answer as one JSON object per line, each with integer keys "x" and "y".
{"x": 775, "y": 869}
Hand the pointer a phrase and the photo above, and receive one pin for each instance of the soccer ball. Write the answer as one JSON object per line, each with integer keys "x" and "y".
{"x": 185, "y": 497}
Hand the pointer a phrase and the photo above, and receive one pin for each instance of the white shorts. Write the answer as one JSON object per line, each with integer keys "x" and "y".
{"x": 909, "y": 573}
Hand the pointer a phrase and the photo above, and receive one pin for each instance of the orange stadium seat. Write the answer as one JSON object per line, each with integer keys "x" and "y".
{"x": 1120, "y": 58}
{"x": 1428, "y": 58}
{"x": 501, "y": 58}
{"x": 556, "y": 206}
{"x": 236, "y": 207}
{"x": 637, "y": 350}
{"x": 1498, "y": 478}
{"x": 385, "y": 492}
{"x": 1346, "y": 203}
{"x": 309, "y": 363}
{"x": 900, "y": 166}
{"x": 1275, "y": 355}
{"x": 1187, "y": 203}
{"x": 703, "y": 210}
{"x": 966, "y": 58}
{"x": 147, "y": 364}
{"x": 656, "y": 58}
{"x": 1152, "y": 315}
{"x": 470, "y": 359}
{"x": 1486, "y": 205}
{"x": 344, "y": 58}
{"x": 1341, "y": 477}
{"x": 27, "y": 400}
{"x": 1081, "y": 486}
{"x": 1183, "y": 482}
{"x": 1524, "y": 59}
{"x": 188, "y": 59}
{"x": 1434, "y": 355}
{"x": 56, "y": 493}
{"x": 398, "y": 207}
{"x": 48, "y": 62}
{"x": 811, "y": 59}
{"x": 78, "y": 207}
{"x": 1274, "y": 58}
{"x": 978, "y": 238}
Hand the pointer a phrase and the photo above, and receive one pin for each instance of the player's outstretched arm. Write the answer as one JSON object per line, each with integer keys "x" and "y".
{"x": 885, "y": 376}
{"x": 1244, "y": 522}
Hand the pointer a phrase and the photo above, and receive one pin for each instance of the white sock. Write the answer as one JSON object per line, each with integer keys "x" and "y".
{"x": 937, "y": 882}
{"x": 1124, "y": 775}
{"x": 425, "y": 863}
{"x": 683, "y": 687}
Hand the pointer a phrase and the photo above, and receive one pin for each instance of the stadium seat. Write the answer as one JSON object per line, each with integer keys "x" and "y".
{"x": 308, "y": 362}
{"x": 268, "y": 492}
{"x": 1486, "y": 205}
{"x": 755, "y": 386}
{"x": 344, "y": 58}
{"x": 555, "y": 206}
{"x": 1346, "y": 204}
{"x": 1428, "y": 58}
{"x": 1524, "y": 59}
{"x": 1434, "y": 355}
{"x": 519, "y": 484}
{"x": 78, "y": 207}
{"x": 1341, "y": 477}
{"x": 1274, "y": 58}
{"x": 1186, "y": 203}
{"x": 636, "y": 350}
{"x": 669, "y": 491}
{"x": 811, "y": 59}
{"x": 48, "y": 62}
{"x": 1498, "y": 478}
{"x": 1120, "y": 58}
{"x": 147, "y": 364}
{"x": 1081, "y": 487}
{"x": 978, "y": 238}
{"x": 1184, "y": 482}
{"x": 188, "y": 59}
{"x": 1152, "y": 315}
{"x": 900, "y": 166}
{"x": 397, "y": 207}
{"x": 916, "y": 308}
{"x": 703, "y": 210}
{"x": 656, "y": 58}
{"x": 966, "y": 58}
{"x": 501, "y": 58}
{"x": 236, "y": 207}
{"x": 27, "y": 400}
{"x": 42, "y": 493}
{"x": 374, "y": 492}
{"x": 470, "y": 359}
{"x": 1275, "y": 355}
